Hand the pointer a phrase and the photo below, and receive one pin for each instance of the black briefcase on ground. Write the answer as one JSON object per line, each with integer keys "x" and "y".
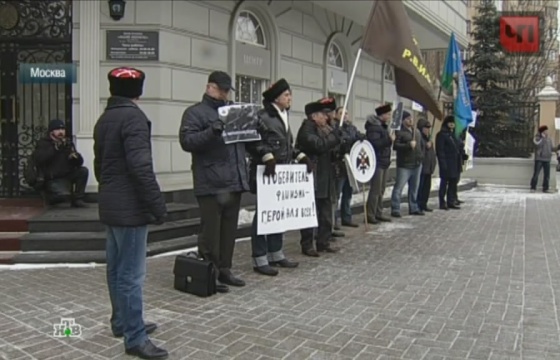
{"x": 194, "y": 275}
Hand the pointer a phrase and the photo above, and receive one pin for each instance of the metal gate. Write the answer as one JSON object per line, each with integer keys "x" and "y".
{"x": 30, "y": 32}
{"x": 509, "y": 136}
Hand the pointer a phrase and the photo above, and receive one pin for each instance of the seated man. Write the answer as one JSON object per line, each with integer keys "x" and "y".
{"x": 57, "y": 158}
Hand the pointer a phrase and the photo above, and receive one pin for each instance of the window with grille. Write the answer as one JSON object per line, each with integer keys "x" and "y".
{"x": 389, "y": 74}
{"x": 249, "y": 31}
{"x": 335, "y": 57}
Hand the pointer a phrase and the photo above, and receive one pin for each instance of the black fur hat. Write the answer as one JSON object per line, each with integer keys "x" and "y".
{"x": 383, "y": 109}
{"x": 126, "y": 82}
{"x": 275, "y": 90}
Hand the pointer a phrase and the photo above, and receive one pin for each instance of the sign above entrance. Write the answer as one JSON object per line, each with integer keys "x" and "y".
{"x": 253, "y": 61}
{"x": 132, "y": 45}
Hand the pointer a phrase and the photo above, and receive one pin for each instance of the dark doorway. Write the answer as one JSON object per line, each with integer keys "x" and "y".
{"x": 30, "y": 32}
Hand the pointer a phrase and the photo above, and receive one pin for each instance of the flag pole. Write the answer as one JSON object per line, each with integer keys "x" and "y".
{"x": 351, "y": 82}
{"x": 433, "y": 116}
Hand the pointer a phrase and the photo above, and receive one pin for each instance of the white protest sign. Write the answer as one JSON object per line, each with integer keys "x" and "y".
{"x": 473, "y": 123}
{"x": 557, "y": 123}
{"x": 469, "y": 149}
{"x": 350, "y": 173}
{"x": 362, "y": 161}
{"x": 285, "y": 201}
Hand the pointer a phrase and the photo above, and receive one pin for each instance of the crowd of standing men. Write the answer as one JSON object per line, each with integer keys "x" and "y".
{"x": 130, "y": 198}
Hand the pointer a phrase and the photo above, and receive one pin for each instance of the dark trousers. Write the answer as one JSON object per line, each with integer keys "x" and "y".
{"x": 344, "y": 193}
{"x": 448, "y": 190}
{"x": 324, "y": 230}
{"x": 218, "y": 225}
{"x": 545, "y": 166}
{"x": 375, "y": 195}
{"x": 126, "y": 271}
{"x": 265, "y": 248}
{"x": 71, "y": 186}
{"x": 424, "y": 191}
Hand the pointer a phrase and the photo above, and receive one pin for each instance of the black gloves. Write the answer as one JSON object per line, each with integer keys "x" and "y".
{"x": 308, "y": 163}
{"x": 218, "y": 127}
{"x": 465, "y": 157}
{"x": 270, "y": 167}
{"x": 160, "y": 220}
{"x": 361, "y": 137}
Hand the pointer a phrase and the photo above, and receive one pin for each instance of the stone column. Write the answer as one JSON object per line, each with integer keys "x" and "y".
{"x": 547, "y": 103}
{"x": 88, "y": 73}
{"x": 88, "y": 109}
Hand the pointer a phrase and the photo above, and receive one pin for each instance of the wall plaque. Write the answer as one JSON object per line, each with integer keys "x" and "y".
{"x": 252, "y": 61}
{"x": 132, "y": 45}
{"x": 337, "y": 81}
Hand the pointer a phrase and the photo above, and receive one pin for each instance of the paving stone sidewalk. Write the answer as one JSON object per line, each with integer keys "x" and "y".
{"x": 479, "y": 283}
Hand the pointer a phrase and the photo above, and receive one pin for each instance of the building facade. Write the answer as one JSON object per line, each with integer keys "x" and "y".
{"x": 178, "y": 43}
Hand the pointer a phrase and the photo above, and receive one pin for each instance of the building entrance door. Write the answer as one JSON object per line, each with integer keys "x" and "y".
{"x": 30, "y": 32}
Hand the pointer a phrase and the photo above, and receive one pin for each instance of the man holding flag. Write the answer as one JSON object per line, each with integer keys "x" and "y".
{"x": 453, "y": 82}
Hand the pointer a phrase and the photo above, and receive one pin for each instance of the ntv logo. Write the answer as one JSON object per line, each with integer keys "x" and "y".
{"x": 520, "y": 34}
{"x": 67, "y": 328}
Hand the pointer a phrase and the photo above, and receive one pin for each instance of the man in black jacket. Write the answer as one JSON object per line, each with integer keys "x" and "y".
{"x": 428, "y": 166}
{"x": 277, "y": 145}
{"x": 378, "y": 134}
{"x": 219, "y": 176}
{"x": 129, "y": 200}
{"x": 410, "y": 149}
{"x": 344, "y": 190}
{"x": 60, "y": 163}
{"x": 318, "y": 140}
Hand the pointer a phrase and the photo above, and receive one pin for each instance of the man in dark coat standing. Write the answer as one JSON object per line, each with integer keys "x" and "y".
{"x": 428, "y": 166}
{"x": 318, "y": 140}
{"x": 277, "y": 145}
{"x": 450, "y": 160}
{"x": 129, "y": 200}
{"x": 220, "y": 176}
{"x": 378, "y": 134}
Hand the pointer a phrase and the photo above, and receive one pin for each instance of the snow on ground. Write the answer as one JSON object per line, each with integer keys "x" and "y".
{"x": 47, "y": 266}
{"x": 389, "y": 227}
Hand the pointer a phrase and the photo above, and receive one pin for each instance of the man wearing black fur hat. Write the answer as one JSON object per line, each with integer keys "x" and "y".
{"x": 57, "y": 158}
{"x": 381, "y": 138}
{"x": 319, "y": 140}
{"x": 219, "y": 177}
{"x": 129, "y": 200}
{"x": 277, "y": 144}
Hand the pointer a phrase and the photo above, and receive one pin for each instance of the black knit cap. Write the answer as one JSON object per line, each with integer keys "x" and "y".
{"x": 126, "y": 82}
{"x": 275, "y": 90}
{"x": 383, "y": 109}
{"x": 405, "y": 114}
{"x": 56, "y": 124}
